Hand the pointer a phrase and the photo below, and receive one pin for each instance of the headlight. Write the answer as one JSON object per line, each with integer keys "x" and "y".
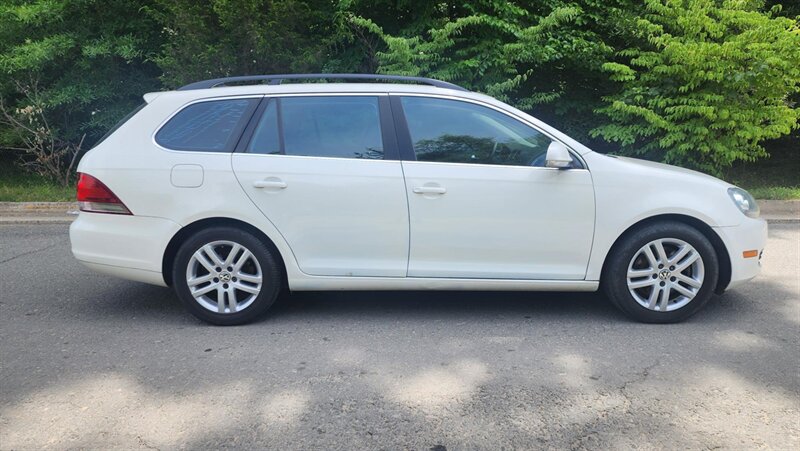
{"x": 744, "y": 201}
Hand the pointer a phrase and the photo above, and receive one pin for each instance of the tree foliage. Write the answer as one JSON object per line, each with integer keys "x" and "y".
{"x": 80, "y": 64}
{"x": 707, "y": 83}
{"x": 215, "y": 38}
{"x": 701, "y": 83}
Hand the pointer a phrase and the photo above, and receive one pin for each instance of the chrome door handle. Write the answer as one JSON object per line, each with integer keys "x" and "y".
{"x": 279, "y": 184}
{"x": 430, "y": 190}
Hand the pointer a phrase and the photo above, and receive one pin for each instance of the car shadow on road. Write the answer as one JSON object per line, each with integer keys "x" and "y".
{"x": 151, "y": 303}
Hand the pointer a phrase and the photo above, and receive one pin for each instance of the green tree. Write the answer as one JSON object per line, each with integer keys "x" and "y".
{"x": 695, "y": 82}
{"x": 544, "y": 56}
{"x": 70, "y": 69}
{"x": 706, "y": 83}
{"x": 218, "y": 38}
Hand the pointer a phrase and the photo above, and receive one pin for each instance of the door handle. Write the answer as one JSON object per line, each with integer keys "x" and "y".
{"x": 270, "y": 183}
{"x": 430, "y": 190}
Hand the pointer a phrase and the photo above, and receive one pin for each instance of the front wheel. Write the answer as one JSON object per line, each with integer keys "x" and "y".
{"x": 662, "y": 273}
{"x": 226, "y": 276}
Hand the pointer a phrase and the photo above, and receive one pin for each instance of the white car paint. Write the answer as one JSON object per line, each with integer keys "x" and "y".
{"x": 499, "y": 222}
{"x": 345, "y": 224}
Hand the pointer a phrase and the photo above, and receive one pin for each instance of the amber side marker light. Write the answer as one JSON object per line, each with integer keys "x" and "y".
{"x": 750, "y": 254}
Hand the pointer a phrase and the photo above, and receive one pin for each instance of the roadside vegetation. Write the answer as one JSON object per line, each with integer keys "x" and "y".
{"x": 19, "y": 186}
{"x": 712, "y": 85}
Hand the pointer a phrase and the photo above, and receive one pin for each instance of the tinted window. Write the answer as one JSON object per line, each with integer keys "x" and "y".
{"x": 212, "y": 126}
{"x": 461, "y": 132}
{"x": 334, "y": 126}
{"x": 265, "y": 137}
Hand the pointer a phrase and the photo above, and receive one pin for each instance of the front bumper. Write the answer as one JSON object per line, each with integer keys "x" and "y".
{"x": 750, "y": 235}
{"x": 130, "y": 247}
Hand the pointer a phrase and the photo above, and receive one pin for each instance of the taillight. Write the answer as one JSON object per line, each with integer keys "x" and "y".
{"x": 95, "y": 197}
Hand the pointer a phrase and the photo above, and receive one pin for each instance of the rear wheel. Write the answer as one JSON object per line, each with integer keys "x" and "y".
{"x": 661, "y": 273}
{"x": 226, "y": 276}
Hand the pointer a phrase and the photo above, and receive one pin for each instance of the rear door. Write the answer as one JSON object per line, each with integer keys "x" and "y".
{"x": 324, "y": 170}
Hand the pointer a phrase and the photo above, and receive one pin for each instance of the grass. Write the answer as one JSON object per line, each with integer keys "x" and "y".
{"x": 18, "y": 186}
{"x": 777, "y": 177}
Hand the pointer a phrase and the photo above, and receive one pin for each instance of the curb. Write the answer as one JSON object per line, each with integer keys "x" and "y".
{"x": 38, "y": 212}
{"x": 36, "y": 207}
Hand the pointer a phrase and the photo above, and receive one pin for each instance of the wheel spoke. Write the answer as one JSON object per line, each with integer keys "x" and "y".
{"x": 651, "y": 301}
{"x": 688, "y": 280}
{"x": 201, "y": 291}
{"x": 246, "y": 288}
{"x": 683, "y": 290}
{"x": 198, "y": 280}
{"x": 682, "y": 252}
{"x": 641, "y": 284}
{"x": 212, "y": 254}
{"x": 203, "y": 260}
{"x": 650, "y": 257}
{"x": 232, "y": 254}
{"x": 232, "y": 303}
{"x": 638, "y": 273}
{"x": 664, "y": 298}
{"x": 248, "y": 277}
{"x": 220, "y": 299}
{"x": 662, "y": 254}
{"x": 242, "y": 260}
{"x": 687, "y": 262}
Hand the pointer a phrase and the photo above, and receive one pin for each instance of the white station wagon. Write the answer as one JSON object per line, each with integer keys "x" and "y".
{"x": 233, "y": 190}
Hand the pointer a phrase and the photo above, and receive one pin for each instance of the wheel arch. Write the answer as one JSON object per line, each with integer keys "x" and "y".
{"x": 719, "y": 246}
{"x": 190, "y": 229}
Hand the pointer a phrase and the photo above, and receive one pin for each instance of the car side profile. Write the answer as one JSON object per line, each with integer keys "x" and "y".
{"x": 234, "y": 190}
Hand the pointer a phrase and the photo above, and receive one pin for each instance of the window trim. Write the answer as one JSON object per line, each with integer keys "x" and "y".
{"x": 385, "y": 117}
{"x": 407, "y": 147}
{"x": 237, "y": 134}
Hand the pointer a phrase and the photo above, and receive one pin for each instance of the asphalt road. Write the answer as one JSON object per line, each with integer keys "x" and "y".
{"x": 93, "y": 362}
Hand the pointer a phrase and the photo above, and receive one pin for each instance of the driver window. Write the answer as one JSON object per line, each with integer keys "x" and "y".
{"x": 460, "y": 132}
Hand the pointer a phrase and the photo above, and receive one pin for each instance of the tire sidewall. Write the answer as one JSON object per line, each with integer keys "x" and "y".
{"x": 615, "y": 277}
{"x": 270, "y": 270}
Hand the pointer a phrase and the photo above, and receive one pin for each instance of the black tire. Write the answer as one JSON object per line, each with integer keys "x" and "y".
{"x": 267, "y": 259}
{"x": 615, "y": 282}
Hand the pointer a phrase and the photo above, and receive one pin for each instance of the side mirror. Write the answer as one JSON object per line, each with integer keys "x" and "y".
{"x": 557, "y": 156}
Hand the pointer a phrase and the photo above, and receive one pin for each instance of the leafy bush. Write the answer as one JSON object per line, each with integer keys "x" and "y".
{"x": 706, "y": 83}
{"x": 80, "y": 65}
{"x": 218, "y": 38}
{"x": 699, "y": 83}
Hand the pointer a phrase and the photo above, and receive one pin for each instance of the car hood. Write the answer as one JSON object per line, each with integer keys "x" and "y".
{"x": 669, "y": 170}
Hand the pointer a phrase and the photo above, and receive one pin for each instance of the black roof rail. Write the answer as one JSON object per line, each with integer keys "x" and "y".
{"x": 277, "y": 79}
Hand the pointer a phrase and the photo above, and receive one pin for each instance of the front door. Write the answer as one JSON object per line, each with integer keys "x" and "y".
{"x": 317, "y": 168}
{"x": 481, "y": 202}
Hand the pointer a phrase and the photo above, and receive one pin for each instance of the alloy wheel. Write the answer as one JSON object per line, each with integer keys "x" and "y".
{"x": 224, "y": 277}
{"x": 665, "y": 274}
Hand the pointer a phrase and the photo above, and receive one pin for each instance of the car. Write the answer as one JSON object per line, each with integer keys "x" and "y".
{"x": 235, "y": 190}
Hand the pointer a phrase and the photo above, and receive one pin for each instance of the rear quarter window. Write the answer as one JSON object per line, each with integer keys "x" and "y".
{"x": 209, "y": 126}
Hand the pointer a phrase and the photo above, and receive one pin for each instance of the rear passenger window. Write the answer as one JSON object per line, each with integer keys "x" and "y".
{"x": 212, "y": 126}
{"x": 329, "y": 126}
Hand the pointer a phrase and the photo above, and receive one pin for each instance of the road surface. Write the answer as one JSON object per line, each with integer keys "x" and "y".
{"x": 93, "y": 362}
